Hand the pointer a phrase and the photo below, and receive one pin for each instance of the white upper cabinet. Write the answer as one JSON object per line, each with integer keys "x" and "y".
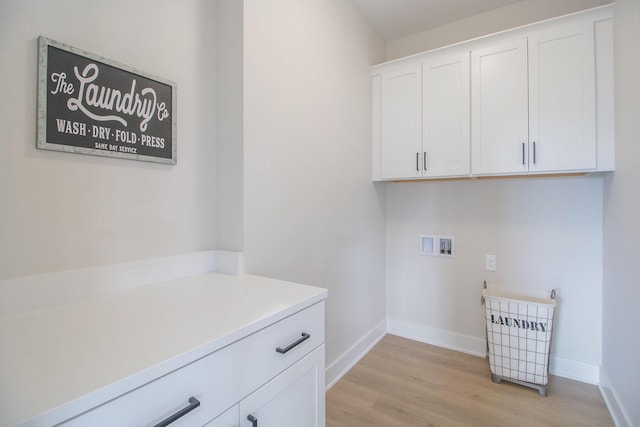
{"x": 424, "y": 119}
{"x": 500, "y": 108}
{"x": 445, "y": 116}
{"x": 401, "y": 123}
{"x": 533, "y": 100}
{"x": 562, "y": 97}
{"x": 553, "y": 129}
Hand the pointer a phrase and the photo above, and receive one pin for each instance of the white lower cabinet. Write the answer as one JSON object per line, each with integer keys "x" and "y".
{"x": 275, "y": 374}
{"x": 229, "y": 418}
{"x": 292, "y": 399}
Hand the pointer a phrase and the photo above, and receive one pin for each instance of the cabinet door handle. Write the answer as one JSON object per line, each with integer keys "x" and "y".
{"x": 534, "y": 152}
{"x": 254, "y": 420}
{"x": 304, "y": 337}
{"x": 424, "y": 161}
{"x": 418, "y": 162}
{"x": 523, "y": 153}
{"x": 193, "y": 404}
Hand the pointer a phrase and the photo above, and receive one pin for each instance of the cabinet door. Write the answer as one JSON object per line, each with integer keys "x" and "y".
{"x": 499, "y": 118}
{"x": 401, "y": 123}
{"x": 445, "y": 120}
{"x": 229, "y": 418}
{"x": 562, "y": 129}
{"x": 292, "y": 399}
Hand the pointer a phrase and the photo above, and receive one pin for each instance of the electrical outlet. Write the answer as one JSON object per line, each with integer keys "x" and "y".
{"x": 490, "y": 262}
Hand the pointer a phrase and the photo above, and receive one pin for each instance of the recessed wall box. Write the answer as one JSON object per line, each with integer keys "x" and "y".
{"x": 427, "y": 245}
{"x": 446, "y": 246}
{"x": 442, "y": 246}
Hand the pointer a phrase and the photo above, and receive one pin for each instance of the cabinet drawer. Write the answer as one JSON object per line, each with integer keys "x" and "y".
{"x": 217, "y": 381}
{"x": 257, "y": 353}
{"x": 230, "y": 418}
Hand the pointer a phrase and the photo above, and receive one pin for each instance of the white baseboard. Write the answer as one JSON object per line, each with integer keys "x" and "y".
{"x": 617, "y": 411}
{"x": 560, "y": 366}
{"x": 439, "y": 337}
{"x": 341, "y": 366}
{"x": 574, "y": 369}
{"x": 46, "y": 290}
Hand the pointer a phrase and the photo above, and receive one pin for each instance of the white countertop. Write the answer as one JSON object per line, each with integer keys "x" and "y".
{"x": 60, "y": 361}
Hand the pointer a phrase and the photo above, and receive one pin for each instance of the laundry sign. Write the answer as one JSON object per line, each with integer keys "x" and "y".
{"x": 91, "y": 105}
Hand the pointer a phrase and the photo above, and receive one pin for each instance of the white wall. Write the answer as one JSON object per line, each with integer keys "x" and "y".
{"x": 545, "y": 232}
{"x": 312, "y": 213}
{"x": 230, "y": 124}
{"x": 64, "y": 211}
{"x": 513, "y": 15}
{"x": 621, "y": 344}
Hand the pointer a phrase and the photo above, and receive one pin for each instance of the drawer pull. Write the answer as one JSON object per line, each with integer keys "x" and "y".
{"x": 254, "y": 420}
{"x": 304, "y": 337}
{"x": 193, "y": 404}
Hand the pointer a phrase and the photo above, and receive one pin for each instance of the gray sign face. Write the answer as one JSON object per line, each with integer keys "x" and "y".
{"x": 91, "y": 105}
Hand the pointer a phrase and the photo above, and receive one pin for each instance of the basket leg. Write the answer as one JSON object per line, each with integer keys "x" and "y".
{"x": 496, "y": 379}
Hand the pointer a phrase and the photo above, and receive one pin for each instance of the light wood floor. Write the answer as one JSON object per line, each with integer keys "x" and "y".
{"x": 401, "y": 382}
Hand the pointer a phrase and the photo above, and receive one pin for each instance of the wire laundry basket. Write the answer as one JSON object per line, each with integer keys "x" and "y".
{"x": 519, "y": 329}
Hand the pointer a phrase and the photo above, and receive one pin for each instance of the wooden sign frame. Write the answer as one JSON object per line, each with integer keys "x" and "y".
{"x": 88, "y": 104}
